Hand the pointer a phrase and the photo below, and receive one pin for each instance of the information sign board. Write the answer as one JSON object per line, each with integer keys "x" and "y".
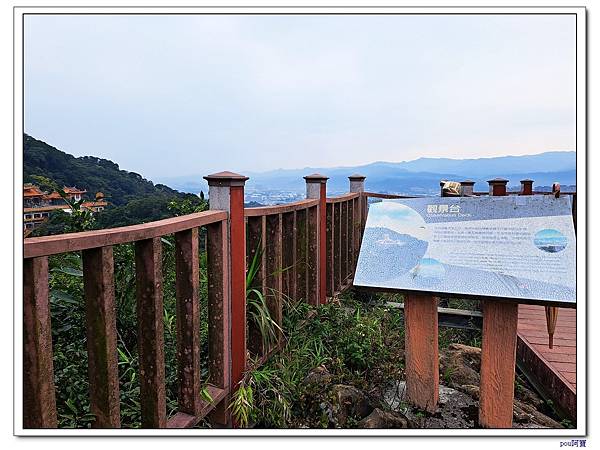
{"x": 520, "y": 247}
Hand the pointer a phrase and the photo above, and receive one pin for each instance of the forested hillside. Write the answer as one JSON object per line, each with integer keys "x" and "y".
{"x": 132, "y": 199}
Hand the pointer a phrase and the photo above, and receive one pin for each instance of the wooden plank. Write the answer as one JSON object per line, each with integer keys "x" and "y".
{"x": 422, "y": 360}
{"x": 351, "y": 237}
{"x": 188, "y": 320}
{"x": 301, "y": 254}
{"x": 557, "y": 350}
{"x": 337, "y": 247}
{"x": 344, "y": 242}
{"x": 273, "y": 269}
{"x": 343, "y": 198}
{"x": 452, "y": 318}
{"x": 557, "y": 342}
{"x": 546, "y": 380}
{"x": 574, "y": 211}
{"x": 498, "y": 351}
{"x": 281, "y": 209}
{"x": 219, "y": 315}
{"x": 39, "y": 401}
{"x": 184, "y": 420}
{"x": 148, "y": 270}
{"x": 255, "y": 249}
{"x": 101, "y": 330}
{"x": 289, "y": 254}
{"x": 312, "y": 257}
{"x": 63, "y": 243}
{"x": 330, "y": 230}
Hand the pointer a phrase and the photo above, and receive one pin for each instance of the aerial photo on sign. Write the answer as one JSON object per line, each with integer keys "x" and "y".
{"x": 520, "y": 247}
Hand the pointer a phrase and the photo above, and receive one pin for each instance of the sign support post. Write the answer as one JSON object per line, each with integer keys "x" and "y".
{"x": 498, "y": 353}
{"x": 421, "y": 354}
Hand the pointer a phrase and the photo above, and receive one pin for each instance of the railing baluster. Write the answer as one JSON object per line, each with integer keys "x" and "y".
{"x": 289, "y": 253}
{"x": 39, "y": 402}
{"x": 188, "y": 320}
{"x": 301, "y": 251}
{"x": 312, "y": 265}
{"x": 255, "y": 244}
{"x": 330, "y": 252}
{"x": 148, "y": 265}
{"x": 273, "y": 269}
{"x": 344, "y": 242}
{"x": 337, "y": 247}
{"x": 351, "y": 253}
{"x": 219, "y": 315}
{"x": 101, "y": 323}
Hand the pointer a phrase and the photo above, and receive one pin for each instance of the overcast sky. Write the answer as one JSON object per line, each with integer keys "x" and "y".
{"x": 180, "y": 95}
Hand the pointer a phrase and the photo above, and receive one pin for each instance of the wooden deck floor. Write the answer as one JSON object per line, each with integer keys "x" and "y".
{"x": 552, "y": 370}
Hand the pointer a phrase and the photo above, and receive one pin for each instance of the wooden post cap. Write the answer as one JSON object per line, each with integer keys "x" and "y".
{"x": 497, "y": 181}
{"x": 226, "y": 178}
{"x": 357, "y": 177}
{"x": 316, "y": 178}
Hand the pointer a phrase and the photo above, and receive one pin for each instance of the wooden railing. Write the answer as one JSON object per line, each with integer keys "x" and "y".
{"x": 283, "y": 240}
{"x": 344, "y": 231}
{"x": 305, "y": 251}
{"x": 292, "y": 244}
{"x": 96, "y": 249}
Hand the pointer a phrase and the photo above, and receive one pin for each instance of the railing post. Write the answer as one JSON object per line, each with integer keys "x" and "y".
{"x": 526, "y": 187}
{"x": 466, "y": 188}
{"x": 497, "y": 186}
{"x": 316, "y": 187}
{"x": 498, "y": 353}
{"x": 357, "y": 184}
{"x": 226, "y": 192}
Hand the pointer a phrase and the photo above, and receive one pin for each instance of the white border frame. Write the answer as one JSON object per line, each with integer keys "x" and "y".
{"x": 581, "y": 147}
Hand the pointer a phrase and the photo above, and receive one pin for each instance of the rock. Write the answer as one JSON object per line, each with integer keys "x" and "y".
{"x": 455, "y": 409}
{"x": 384, "y": 419}
{"x": 524, "y": 413}
{"x": 459, "y": 365}
{"x": 471, "y": 390}
{"x": 318, "y": 375}
{"x": 349, "y": 402}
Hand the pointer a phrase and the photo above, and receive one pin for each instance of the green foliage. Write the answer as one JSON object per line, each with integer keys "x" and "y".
{"x": 95, "y": 174}
{"x": 325, "y": 336}
{"x": 257, "y": 309}
{"x": 132, "y": 199}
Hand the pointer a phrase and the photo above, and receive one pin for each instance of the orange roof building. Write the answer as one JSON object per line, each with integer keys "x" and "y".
{"x": 32, "y": 191}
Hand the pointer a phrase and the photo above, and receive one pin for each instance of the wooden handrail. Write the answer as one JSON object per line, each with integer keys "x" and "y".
{"x": 62, "y": 243}
{"x": 343, "y": 198}
{"x": 280, "y": 209}
{"x": 386, "y": 196}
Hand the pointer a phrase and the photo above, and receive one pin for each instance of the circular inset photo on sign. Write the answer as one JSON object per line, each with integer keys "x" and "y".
{"x": 429, "y": 272}
{"x": 549, "y": 240}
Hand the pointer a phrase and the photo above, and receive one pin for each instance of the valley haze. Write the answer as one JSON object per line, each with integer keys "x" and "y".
{"x": 417, "y": 177}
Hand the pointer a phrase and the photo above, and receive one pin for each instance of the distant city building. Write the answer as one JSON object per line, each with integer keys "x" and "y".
{"x": 38, "y": 205}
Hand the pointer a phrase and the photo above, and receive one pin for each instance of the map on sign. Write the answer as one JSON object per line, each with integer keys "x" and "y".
{"x": 520, "y": 247}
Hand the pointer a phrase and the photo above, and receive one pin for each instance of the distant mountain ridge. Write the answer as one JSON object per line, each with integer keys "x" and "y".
{"x": 420, "y": 176}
